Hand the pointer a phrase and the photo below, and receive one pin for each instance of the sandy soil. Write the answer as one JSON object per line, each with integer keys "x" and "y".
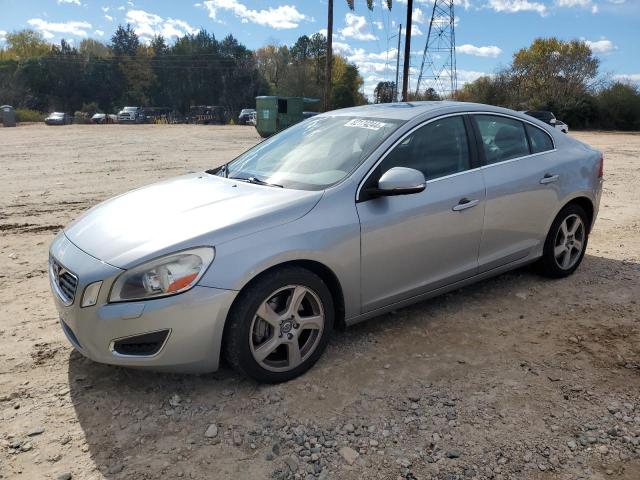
{"x": 516, "y": 377}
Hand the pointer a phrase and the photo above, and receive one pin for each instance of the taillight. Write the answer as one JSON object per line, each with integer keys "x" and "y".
{"x": 601, "y": 169}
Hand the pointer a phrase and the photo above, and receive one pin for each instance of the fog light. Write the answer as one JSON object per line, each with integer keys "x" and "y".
{"x": 90, "y": 296}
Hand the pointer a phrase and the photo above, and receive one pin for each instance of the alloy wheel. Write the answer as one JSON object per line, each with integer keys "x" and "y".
{"x": 287, "y": 328}
{"x": 569, "y": 242}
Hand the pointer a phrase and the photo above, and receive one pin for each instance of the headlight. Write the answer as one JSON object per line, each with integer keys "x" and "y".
{"x": 163, "y": 276}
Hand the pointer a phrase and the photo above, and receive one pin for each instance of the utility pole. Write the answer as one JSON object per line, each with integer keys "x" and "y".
{"x": 395, "y": 86}
{"x": 407, "y": 52}
{"x": 327, "y": 80}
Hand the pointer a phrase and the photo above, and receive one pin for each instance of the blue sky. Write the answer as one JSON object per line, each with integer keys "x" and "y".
{"x": 487, "y": 31}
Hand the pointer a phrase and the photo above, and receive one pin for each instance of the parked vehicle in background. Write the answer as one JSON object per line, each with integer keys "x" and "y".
{"x": 335, "y": 220}
{"x": 208, "y": 115}
{"x": 104, "y": 118}
{"x": 59, "y": 118}
{"x": 542, "y": 115}
{"x": 131, "y": 115}
{"x": 253, "y": 119}
{"x": 245, "y": 116}
{"x": 563, "y": 127}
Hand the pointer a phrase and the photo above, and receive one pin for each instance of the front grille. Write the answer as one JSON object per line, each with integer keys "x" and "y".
{"x": 64, "y": 281}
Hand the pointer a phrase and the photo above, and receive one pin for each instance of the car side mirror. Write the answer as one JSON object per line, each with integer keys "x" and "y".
{"x": 552, "y": 121}
{"x": 399, "y": 181}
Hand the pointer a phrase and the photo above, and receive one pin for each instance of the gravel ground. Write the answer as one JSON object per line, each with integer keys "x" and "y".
{"x": 516, "y": 377}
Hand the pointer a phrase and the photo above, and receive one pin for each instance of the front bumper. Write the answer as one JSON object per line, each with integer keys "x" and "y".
{"x": 194, "y": 320}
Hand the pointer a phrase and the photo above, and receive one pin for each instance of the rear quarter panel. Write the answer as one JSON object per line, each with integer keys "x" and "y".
{"x": 578, "y": 165}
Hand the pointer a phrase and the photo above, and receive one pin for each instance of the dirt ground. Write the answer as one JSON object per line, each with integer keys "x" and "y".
{"x": 516, "y": 377}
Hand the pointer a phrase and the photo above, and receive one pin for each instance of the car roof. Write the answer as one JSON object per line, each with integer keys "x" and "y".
{"x": 409, "y": 110}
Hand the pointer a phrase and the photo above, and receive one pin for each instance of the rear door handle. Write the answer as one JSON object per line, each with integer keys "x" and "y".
{"x": 548, "y": 178}
{"x": 465, "y": 203}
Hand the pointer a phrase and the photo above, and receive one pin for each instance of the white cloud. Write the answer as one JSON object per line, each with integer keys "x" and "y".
{"x": 109, "y": 17}
{"x": 74, "y": 2}
{"x": 3, "y": 35}
{"x": 105, "y": 9}
{"x": 600, "y": 46}
{"x": 356, "y": 28}
{"x": 122, "y": 9}
{"x": 488, "y": 51}
{"x": 340, "y": 48}
{"x": 100, "y": 33}
{"x": 282, "y": 17}
{"x": 467, "y": 76}
{"x": 587, "y": 4}
{"x": 415, "y": 31}
{"x": 420, "y": 17}
{"x": 49, "y": 28}
{"x": 628, "y": 77}
{"x": 514, "y": 6}
{"x": 146, "y": 25}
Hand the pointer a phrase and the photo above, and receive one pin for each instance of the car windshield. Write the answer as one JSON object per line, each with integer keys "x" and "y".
{"x": 57, "y": 115}
{"x": 313, "y": 154}
{"x": 130, "y": 109}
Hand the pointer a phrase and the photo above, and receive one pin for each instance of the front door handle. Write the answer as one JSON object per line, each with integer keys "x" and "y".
{"x": 548, "y": 178}
{"x": 465, "y": 203}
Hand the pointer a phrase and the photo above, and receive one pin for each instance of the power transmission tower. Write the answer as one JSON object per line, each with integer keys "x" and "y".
{"x": 438, "y": 67}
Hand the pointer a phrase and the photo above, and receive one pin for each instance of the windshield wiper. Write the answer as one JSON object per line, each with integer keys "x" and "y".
{"x": 256, "y": 181}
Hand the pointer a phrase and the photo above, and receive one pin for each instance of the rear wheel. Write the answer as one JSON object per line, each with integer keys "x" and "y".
{"x": 280, "y": 325}
{"x": 566, "y": 242}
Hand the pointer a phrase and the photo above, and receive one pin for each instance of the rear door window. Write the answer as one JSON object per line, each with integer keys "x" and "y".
{"x": 540, "y": 141}
{"x": 503, "y": 138}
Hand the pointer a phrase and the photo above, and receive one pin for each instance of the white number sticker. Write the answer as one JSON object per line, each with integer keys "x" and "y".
{"x": 368, "y": 124}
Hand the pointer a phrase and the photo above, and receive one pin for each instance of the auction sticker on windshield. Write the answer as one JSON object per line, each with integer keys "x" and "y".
{"x": 368, "y": 124}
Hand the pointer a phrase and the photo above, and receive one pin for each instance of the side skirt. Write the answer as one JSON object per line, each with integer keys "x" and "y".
{"x": 439, "y": 291}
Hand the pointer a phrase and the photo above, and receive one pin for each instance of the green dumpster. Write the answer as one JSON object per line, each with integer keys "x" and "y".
{"x": 277, "y": 113}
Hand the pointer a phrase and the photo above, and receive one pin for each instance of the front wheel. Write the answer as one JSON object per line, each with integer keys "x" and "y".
{"x": 280, "y": 325}
{"x": 566, "y": 243}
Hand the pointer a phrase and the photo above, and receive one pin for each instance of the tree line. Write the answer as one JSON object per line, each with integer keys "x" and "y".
{"x": 555, "y": 75}
{"x": 563, "y": 77}
{"x": 196, "y": 69}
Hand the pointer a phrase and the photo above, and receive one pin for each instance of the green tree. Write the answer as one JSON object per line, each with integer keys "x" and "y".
{"x": 301, "y": 50}
{"x": 273, "y": 63}
{"x": 346, "y": 84}
{"x": 93, "y": 48}
{"x": 383, "y": 93}
{"x": 552, "y": 71}
{"x": 318, "y": 52}
{"x": 619, "y": 105}
{"x": 25, "y": 44}
{"x": 125, "y": 41}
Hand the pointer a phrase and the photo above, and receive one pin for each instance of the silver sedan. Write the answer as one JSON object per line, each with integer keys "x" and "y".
{"x": 340, "y": 218}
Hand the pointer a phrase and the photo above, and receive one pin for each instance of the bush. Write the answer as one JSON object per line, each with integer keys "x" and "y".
{"x": 26, "y": 115}
{"x": 81, "y": 117}
{"x": 620, "y": 106}
{"x": 90, "y": 108}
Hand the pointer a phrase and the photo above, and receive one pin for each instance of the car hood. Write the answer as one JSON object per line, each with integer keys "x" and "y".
{"x": 192, "y": 210}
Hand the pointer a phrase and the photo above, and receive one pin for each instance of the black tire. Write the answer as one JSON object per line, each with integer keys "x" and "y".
{"x": 548, "y": 265}
{"x": 236, "y": 342}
